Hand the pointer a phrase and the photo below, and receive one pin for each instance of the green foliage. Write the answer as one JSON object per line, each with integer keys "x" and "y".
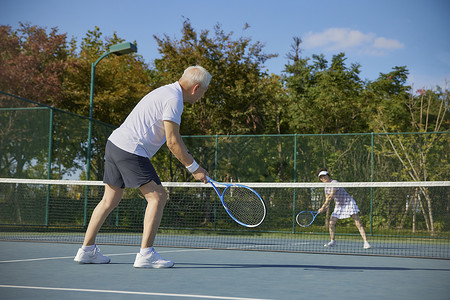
{"x": 388, "y": 98}
{"x": 238, "y": 96}
{"x": 32, "y": 62}
{"x": 19, "y": 147}
{"x": 120, "y": 81}
{"x": 313, "y": 95}
{"x": 324, "y": 98}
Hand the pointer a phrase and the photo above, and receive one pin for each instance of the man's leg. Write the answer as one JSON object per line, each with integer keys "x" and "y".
{"x": 89, "y": 252}
{"x": 111, "y": 199}
{"x": 156, "y": 198}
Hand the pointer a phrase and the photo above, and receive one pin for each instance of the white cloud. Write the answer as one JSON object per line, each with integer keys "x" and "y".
{"x": 341, "y": 39}
{"x": 384, "y": 43}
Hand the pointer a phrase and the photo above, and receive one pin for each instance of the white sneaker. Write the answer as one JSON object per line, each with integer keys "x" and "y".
{"x": 367, "y": 245}
{"x": 330, "y": 244}
{"x": 154, "y": 260}
{"x": 91, "y": 257}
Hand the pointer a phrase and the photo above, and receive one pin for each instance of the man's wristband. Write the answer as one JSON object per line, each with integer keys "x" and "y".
{"x": 193, "y": 167}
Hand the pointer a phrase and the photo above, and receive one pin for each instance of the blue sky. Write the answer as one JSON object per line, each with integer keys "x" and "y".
{"x": 376, "y": 34}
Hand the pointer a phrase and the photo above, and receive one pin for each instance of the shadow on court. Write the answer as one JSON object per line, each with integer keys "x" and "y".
{"x": 304, "y": 267}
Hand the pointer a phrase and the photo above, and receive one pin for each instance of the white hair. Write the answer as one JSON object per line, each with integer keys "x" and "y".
{"x": 197, "y": 75}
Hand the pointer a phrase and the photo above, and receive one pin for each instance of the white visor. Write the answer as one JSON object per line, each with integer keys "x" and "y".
{"x": 322, "y": 173}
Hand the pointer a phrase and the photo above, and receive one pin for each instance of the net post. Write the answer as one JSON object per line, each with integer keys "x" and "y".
{"x": 216, "y": 159}
{"x": 86, "y": 194}
{"x": 117, "y": 216}
{"x": 371, "y": 180}
{"x": 294, "y": 194}
{"x": 89, "y": 140}
{"x": 216, "y": 156}
{"x": 49, "y": 166}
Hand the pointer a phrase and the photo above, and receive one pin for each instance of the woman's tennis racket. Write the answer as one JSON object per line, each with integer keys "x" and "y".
{"x": 306, "y": 217}
{"x": 243, "y": 204}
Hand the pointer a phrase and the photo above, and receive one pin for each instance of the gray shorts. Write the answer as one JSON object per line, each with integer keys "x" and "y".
{"x": 124, "y": 169}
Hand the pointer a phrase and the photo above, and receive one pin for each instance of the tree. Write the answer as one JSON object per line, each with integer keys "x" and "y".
{"x": 322, "y": 98}
{"x": 32, "y": 62}
{"x": 234, "y": 103}
{"x": 120, "y": 81}
{"x": 387, "y": 99}
{"x": 419, "y": 154}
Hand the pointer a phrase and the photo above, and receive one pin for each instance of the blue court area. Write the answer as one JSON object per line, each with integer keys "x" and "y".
{"x": 30, "y": 270}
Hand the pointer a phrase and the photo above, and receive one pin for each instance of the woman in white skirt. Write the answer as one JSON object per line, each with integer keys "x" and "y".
{"x": 344, "y": 207}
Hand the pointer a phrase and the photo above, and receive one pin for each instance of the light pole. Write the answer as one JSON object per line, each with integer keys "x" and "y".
{"x": 119, "y": 49}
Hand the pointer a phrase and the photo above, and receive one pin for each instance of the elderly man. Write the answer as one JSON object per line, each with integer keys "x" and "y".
{"x": 155, "y": 119}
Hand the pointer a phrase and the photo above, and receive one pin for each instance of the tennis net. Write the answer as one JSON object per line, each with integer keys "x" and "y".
{"x": 409, "y": 219}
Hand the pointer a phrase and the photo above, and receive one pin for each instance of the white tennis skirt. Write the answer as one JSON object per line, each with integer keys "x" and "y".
{"x": 346, "y": 210}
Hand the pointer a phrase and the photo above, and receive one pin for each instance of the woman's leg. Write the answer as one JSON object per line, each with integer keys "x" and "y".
{"x": 332, "y": 227}
{"x": 360, "y": 227}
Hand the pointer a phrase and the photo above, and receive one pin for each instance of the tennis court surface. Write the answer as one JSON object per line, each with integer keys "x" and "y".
{"x": 31, "y": 270}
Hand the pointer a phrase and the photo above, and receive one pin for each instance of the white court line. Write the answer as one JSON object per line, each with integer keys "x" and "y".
{"x": 65, "y": 257}
{"x": 125, "y": 292}
{"x": 50, "y": 258}
{"x": 262, "y": 245}
{"x": 35, "y": 259}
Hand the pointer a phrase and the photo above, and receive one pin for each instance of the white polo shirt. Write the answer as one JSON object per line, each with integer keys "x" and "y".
{"x": 142, "y": 132}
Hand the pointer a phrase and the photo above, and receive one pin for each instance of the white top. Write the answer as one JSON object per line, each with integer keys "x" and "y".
{"x": 345, "y": 206}
{"x": 142, "y": 133}
{"x": 341, "y": 197}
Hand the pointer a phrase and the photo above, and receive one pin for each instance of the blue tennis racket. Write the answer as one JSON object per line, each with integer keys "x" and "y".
{"x": 306, "y": 217}
{"x": 243, "y": 204}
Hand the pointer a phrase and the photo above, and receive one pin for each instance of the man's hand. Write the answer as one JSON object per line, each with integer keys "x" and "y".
{"x": 201, "y": 175}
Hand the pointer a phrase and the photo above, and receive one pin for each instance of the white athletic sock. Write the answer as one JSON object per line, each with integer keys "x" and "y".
{"x": 88, "y": 248}
{"x": 146, "y": 251}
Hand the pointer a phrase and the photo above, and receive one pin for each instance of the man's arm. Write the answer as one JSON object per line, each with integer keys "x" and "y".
{"x": 178, "y": 148}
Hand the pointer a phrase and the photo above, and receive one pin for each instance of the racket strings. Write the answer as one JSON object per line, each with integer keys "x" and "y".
{"x": 244, "y": 205}
{"x": 305, "y": 218}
